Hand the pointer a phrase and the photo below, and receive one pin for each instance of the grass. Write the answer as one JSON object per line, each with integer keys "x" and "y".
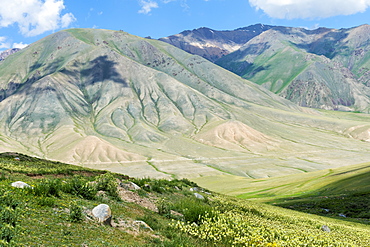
{"x": 53, "y": 213}
{"x": 32, "y": 166}
{"x": 333, "y": 181}
{"x": 339, "y": 193}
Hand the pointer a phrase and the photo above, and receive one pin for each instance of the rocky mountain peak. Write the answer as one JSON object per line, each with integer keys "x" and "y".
{"x": 8, "y": 52}
{"x": 212, "y": 44}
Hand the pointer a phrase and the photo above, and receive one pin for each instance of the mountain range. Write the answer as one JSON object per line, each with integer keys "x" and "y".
{"x": 212, "y": 44}
{"x": 110, "y": 100}
{"x": 323, "y": 68}
{"x": 8, "y": 52}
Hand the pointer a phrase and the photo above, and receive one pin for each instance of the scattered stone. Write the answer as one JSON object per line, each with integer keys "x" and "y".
{"x": 131, "y": 226}
{"x": 141, "y": 224}
{"x": 199, "y": 196}
{"x": 174, "y": 213}
{"x": 342, "y": 215}
{"x": 177, "y": 188}
{"x": 325, "y": 228}
{"x": 20, "y": 184}
{"x": 326, "y": 210}
{"x": 130, "y": 186}
{"x": 196, "y": 189}
{"x": 103, "y": 213}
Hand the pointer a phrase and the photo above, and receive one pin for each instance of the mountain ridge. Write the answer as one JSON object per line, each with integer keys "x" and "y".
{"x": 313, "y": 68}
{"x": 110, "y": 100}
{"x": 212, "y": 44}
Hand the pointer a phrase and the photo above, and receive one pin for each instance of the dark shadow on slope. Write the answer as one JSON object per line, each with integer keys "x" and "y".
{"x": 252, "y": 70}
{"x": 38, "y": 71}
{"x": 235, "y": 62}
{"x": 348, "y": 199}
{"x": 327, "y": 45}
{"x": 101, "y": 69}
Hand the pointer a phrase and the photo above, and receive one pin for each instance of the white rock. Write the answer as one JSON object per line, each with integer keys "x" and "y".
{"x": 199, "y": 196}
{"x": 103, "y": 213}
{"x": 325, "y": 228}
{"x": 20, "y": 184}
{"x": 130, "y": 186}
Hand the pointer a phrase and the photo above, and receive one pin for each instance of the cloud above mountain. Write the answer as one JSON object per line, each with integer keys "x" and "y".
{"x": 309, "y": 9}
{"x": 147, "y": 6}
{"x": 3, "y": 43}
{"x": 34, "y": 17}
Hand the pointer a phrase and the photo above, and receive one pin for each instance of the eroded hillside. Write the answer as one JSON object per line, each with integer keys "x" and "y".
{"x": 111, "y": 100}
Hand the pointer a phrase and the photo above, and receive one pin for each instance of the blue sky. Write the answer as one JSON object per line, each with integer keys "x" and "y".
{"x": 25, "y": 21}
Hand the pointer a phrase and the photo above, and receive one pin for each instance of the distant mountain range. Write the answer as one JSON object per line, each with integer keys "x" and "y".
{"x": 212, "y": 44}
{"x": 8, "y": 52}
{"x": 322, "y": 68}
{"x": 142, "y": 107}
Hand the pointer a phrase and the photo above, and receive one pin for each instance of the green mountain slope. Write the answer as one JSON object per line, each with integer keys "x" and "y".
{"x": 110, "y": 100}
{"x": 323, "y": 68}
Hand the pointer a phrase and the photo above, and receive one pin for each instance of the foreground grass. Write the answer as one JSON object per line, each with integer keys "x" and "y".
{"x": 43, "y": 215}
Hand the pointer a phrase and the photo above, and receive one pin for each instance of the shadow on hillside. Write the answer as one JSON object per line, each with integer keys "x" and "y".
{"x": 101, "y": 69}
{"x": 348, "y": 199}
{"x": 253, "y": 69}
{"x": 327, "y": 45}
{"x": 237, "y": 62}
{"x": 357, "y": 184}
{"x": 38, "y": 71}
{"x": 97, "y": 70}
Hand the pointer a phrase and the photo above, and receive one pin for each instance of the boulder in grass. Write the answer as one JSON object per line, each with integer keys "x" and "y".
{"x": 130, "y": 186}
{"x": 20, "y": 184}
{"x": 199, "y": 196}
{"x": 103, "y": 213}
{"x": 325, "y": 228}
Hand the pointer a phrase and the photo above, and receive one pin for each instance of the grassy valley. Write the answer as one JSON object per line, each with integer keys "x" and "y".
{"x": 340, "y": 193}
{"x": 55, "y": 214}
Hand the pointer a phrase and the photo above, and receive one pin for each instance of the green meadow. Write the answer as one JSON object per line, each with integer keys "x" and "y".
{"x": 54, "y": 211}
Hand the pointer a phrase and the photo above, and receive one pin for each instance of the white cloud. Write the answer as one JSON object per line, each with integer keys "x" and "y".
{"x": 67, "y": 19}
{"x": 147, "y": 6}
{"x": 19, "y": 45}
{"x": 3, "y": 43}
{"x": 34, "y": 17}
{"x": 309, "y": 9}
